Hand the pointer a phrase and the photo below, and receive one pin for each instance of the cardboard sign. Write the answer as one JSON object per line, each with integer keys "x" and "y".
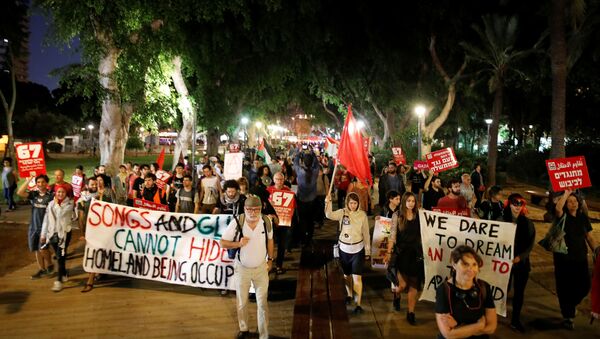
{"x": 284, "y": 203}
{"x": 420, "y": 165}
{"x": 137, "y": 243}
{"x": 442, "y": 160}
{"x": 399, "y": 157}
{"x": 233, "y": 166}
{"x": 234, "y": 148}
{"x": 568, "y": 173}
{"x": 30, "y": 159}
{"x": 77, "y": 184}
{"x": 150, "y": 205}
{"x": 162, "y": 177}
{"x": 463, "y": 212}
{"x": 492, "y": 240}
{"x": 379, "y": 244}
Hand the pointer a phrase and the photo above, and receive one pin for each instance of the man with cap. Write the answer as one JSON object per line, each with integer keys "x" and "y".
{"x": 253, "y": 262}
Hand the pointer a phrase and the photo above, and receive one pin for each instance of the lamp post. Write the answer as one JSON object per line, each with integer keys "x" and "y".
{"x": 420, "y": 112}
{"x": 91, "y": 128}
{"x": 489, "y": 123}
{"x": 458, "y": 137}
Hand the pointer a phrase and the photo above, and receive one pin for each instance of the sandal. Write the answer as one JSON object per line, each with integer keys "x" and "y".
{"x": 87, "y": 288}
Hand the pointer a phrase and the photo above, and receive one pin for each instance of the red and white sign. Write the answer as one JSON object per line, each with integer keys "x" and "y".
{"x": 284, "y": 203}
{"x": 30, "y": 159}
{"x": 367, "y": 144}
{"x": 420, "y": 165}
{"x": 162, "y": 178}
{"x": 568, "y": 173}
{"x": 463, "y": 212}
{"x": 442, "y": 160}
{"x": 150, "y": 205}
{"x": 399, "y": 157}
{"x": 234, "y": 148}
{"x": 77, "y": 184}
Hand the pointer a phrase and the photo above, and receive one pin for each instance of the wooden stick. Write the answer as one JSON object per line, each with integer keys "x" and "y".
{"x": 332, "y": 178}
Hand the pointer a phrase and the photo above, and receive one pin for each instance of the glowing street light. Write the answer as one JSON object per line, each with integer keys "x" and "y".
{"x": 258, "y": 124}
{"x": 489, "y": 123}
{"x": 420, "y": 111}
{"x": 245, "y": 121}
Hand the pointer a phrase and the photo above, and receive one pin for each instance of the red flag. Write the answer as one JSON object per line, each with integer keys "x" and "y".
{"x": 352, "y": 153}
{"x": 161, "y": 158}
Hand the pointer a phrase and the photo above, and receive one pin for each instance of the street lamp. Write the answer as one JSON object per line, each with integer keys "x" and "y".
{"x": 420, "y": 112}
{"x": 489, "y": 123}
{"x": 91, "y": 128}
{"x": 458, "y": 137}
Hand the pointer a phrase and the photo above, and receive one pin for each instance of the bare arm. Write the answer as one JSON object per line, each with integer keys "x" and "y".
{"x": 591, "y": 241}
{"x": 463, "y": 331}
{"x": 561, "y": 203}
{"x": 22, "y": 192}
{"x": 491, "y": 321}
{"x": 428, "y": 181}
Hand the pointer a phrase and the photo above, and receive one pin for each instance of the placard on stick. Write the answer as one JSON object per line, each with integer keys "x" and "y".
{"x": 568, "y": 173}
{"x": 30, "y": 159}
{"x": 441, "y": 160}
{"x": 399, "y": 157}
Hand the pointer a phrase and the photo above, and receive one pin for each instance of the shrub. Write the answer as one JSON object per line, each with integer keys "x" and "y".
{"x": 134, "y": 143}
{"x": 54, "y": 147}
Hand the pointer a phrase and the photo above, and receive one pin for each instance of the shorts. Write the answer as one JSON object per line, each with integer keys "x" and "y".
{"x": 34, "y": 238}
{"x": 352, "y": 263}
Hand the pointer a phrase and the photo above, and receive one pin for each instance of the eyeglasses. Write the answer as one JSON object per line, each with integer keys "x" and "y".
{"x": 517, "y": 203}
{"x": 255, "y": 210}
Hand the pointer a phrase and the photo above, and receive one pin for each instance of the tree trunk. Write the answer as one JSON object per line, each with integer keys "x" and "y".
{"x": 114, "y": 124}
{"x": 493, "y": 135}
{"x": 184, "y": 141}
{"x": 385, "y": 122}
{"x": 9, "y": 109}
{"x": 558, "y": 56}
{"x": 212, "y": 141}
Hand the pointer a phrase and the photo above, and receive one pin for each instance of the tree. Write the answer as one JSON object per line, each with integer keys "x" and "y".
{"x": 497, "y": 57}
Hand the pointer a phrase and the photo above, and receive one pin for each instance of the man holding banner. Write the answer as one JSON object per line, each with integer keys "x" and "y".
{"x": 250, "y": 263}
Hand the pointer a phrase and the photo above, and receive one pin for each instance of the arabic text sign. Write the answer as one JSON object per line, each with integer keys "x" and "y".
{"x": 492, "y": 240}
{"x": 176, "y": 248}
{"x": 30, "y": 159}
{"x": 381, "y": 237}
{"x": 441, "y": 160}
{"x": 568, "y": 173}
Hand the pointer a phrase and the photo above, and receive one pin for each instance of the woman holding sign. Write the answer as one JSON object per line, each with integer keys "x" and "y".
{"x": 354, "y": 244}
{"x": 571, "y": 269}
{"x": 406, "y": 235}
{"x": 464, "y": 305}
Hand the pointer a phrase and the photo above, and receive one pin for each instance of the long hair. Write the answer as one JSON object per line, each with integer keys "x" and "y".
{"x": 402, "y": 210}
{"x": 579, "y": 204}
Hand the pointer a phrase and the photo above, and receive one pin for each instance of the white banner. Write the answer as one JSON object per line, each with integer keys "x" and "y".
{"x": 176, "y": 248}
{"x": 381, "y": 237}
{"x": 492, "y": 240}
{"x": 233, "y": 166}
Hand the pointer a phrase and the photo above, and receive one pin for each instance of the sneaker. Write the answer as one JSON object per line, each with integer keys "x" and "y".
{"x": 358, "y": 310}
{"x": 242, "y": 334}
{"x": 517, "y": 326}
{"x": 57, "y": 287}
{"x": 50, "y": 270}
{"x": 39, "y": 274}
{"x": 64, "y": 278}
{"x": 568, "y": 324}
{"x": 348, "y": 300}
{"x": 410, "y": 317}
{"x": 396, "y": 304}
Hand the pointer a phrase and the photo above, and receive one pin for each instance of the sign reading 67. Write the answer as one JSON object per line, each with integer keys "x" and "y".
{"x": 284, "y": 203}
{"x": 30, "y": 159}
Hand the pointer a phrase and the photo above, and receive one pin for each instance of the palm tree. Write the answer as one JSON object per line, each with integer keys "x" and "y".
{"x": 497, "y": 57}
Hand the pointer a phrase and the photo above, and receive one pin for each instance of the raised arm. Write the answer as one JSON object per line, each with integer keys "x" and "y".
{"x": 561, "y": 203}
{"x": 22, "y": 192}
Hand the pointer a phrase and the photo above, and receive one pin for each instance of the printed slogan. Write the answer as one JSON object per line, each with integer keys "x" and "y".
{"x": 176, "y": 248}
{"x": 492, "y": 240}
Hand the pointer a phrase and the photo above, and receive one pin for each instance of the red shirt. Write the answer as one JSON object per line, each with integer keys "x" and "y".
{"x": 459, "y": 204}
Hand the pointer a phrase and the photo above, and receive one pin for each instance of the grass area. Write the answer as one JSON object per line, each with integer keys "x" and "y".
{"x": 68, "y": 162}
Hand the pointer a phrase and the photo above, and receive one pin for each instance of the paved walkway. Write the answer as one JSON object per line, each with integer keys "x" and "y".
{"x": 138, "y": 308}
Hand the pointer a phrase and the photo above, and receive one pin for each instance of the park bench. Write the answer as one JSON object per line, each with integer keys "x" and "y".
{"x": 320, "y": 309}
{"x": 537, "y": 197}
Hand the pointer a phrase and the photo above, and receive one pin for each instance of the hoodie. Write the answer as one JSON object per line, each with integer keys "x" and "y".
{"x": 354, "y": 227}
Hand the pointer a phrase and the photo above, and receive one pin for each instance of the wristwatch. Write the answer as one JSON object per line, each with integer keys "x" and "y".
{"x": 269, "y": 259}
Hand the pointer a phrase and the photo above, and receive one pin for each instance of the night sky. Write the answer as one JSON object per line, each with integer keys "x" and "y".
{"x": 43, "y": 57}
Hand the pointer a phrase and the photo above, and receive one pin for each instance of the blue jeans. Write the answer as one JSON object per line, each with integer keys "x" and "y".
{"x": 9, "y": 193}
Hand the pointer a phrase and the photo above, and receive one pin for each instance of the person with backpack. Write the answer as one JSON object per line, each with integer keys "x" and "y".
{"x": 187, "y": 199}
{"x": 251, "y": 237}
{"x": 464, "y": 305}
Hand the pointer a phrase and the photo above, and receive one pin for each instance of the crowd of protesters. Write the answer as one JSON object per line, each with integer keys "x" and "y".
{"x": 402, "y": 191}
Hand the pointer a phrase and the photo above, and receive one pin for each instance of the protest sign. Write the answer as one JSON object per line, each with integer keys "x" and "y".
{"x": 234, "y": 148}
{"x": 399, "y": 157}
{"x": 162, "y": 178}
{"x": 367, "y": 144}
{"x": 284, "y": 203}
{"x": 492, "y": 240}
{"x": 568, "y": 173}
{"x": 233, "y": 166}
{"x": 77, "y": 184}
{"x": 176, "y": 248}
{"x": 464, "y": 212}
{"x": 150, "y": 205}
{"x": 379, "y": 244}
{"x": 420, "y": 165}
{"x": 441, "y": 160}
{"x": 30, "y": 159}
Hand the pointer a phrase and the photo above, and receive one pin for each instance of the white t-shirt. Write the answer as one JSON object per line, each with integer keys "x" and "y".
{"x": 211, "y": 193}
{"x": 254, "y": 253}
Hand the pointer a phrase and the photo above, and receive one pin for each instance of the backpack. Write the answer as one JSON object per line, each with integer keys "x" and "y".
{"x": 268, "y": 226}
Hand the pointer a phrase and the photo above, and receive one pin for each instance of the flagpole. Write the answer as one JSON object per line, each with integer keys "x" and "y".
{"x": 332, "y": 177}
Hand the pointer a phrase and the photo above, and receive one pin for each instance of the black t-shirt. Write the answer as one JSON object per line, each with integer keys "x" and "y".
{"x": 178, "y": 184}
{"x": 457, "y": 307}
{"x": 418, "y": 182}
{"x": 431, "y": 197}
{"x": 491, "y": 210}
{"x": 137, "y": 186}
{"x": 576, "y": 229}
